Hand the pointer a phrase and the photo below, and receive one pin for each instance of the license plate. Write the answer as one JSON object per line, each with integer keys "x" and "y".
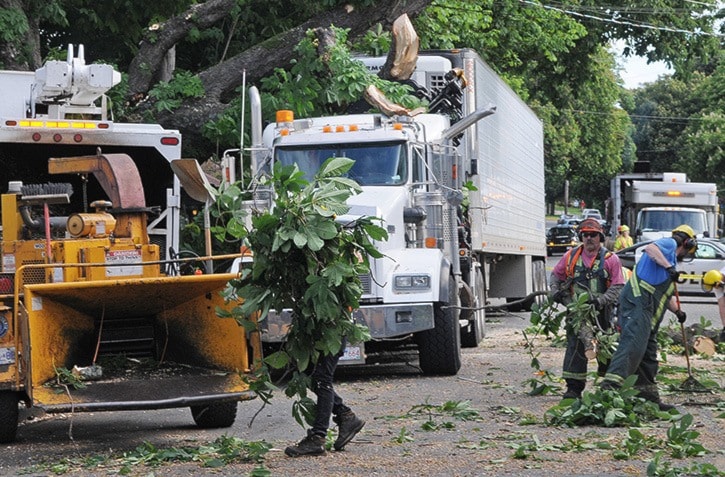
{"x": 354, "y": 354}
{"x": 7, "y": 355}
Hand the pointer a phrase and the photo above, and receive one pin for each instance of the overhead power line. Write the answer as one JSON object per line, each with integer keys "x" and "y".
{"x": 621, "y": 21}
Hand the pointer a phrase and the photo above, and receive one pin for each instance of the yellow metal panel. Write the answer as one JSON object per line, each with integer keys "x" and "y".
{"x": 124, "y": 252}
{"x": 60, "y": 335}
{"x": 196, "y": 333}
{"x": 11, "y": 219}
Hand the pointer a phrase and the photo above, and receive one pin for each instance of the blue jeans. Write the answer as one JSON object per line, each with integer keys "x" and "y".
{"x": 328, "y": 401}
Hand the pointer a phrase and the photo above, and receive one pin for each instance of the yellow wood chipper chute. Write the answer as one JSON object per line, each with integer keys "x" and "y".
{"x": 91, "y": 319}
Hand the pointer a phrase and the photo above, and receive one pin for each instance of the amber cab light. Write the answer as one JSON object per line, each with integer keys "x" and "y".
{"x": 285, "y": 116}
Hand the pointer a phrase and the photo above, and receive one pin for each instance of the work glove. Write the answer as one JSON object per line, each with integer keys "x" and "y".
{"x": 556, "y": 296}
{"x": 595, "y": 302}
{"x": 673, "y": 273}
{"x": 681, "y": 316}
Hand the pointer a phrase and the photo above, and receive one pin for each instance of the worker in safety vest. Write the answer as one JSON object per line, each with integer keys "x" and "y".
{"x": 623, "y": 238}
{"x": 646, "y": 297}
{"x": 714, "y": 281}
{"x": 589, "y": 268}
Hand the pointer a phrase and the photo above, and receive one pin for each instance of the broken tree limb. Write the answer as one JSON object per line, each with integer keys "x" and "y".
{"x": 403, "y": 54}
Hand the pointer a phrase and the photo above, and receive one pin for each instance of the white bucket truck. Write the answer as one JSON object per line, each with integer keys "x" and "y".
{"x": 61, "y": 110}
{"x": 448, "y": 252}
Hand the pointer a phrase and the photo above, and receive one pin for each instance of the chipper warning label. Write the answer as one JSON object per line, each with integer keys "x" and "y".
{"x": 123, "y": 263}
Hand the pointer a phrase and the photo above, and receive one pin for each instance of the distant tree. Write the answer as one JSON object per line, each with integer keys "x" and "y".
{"x": 701, "y": 145}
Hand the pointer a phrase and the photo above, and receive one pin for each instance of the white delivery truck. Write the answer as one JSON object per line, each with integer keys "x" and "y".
{"x": 653, "y": 204}
{"x": 448, "y": 252}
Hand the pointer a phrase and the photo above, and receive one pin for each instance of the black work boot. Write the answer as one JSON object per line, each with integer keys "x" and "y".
{"x": 348, "y": 425}
{"x": 310, "y": 445}
{"x": 574, "y": 388}
{"x": 654, "y": 396}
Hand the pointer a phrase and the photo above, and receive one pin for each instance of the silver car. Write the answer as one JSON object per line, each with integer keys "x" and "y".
{"x": 710, "y": 255}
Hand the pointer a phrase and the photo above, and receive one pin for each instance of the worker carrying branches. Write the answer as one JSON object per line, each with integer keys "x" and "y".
{"x": 589, "y": 268}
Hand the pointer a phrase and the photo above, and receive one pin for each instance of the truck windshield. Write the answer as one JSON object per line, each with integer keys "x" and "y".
{"x": 375, "y": 164}
{"x": 666, "y": 220}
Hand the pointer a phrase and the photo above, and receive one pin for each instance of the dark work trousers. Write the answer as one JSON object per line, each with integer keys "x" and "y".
{"x": 641, "y": 309}
{"x": 328, "y": 401}
{"x": 575, "y": 362}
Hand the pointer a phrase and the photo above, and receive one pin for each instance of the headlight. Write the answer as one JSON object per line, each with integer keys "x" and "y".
{"x": 412, "y": 282}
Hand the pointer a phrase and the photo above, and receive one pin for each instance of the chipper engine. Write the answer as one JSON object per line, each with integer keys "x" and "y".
{"x": 92, "y": 320}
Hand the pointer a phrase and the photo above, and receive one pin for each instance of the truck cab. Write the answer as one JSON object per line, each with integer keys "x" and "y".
{"x": 657, "y": 222}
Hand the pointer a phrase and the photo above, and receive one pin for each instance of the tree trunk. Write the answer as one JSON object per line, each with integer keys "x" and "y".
{"x": 220, "y": 81}
{"x": 145, "y": 68}
{"x": 698, "y": 339}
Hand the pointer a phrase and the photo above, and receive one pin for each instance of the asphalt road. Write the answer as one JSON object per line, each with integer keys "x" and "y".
{"x": 57, "y": 437}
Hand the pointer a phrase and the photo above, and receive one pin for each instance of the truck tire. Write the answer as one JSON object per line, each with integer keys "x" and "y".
{"x": 474, "y": 332}
{"x": 215, "y": 415}
{"x": 439, "y": 349}
{"x": 8, "y": 416}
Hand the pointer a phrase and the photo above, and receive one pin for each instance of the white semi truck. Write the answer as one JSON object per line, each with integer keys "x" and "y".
{"x": 652, "y": 204}
{"x": 449, "y": 252}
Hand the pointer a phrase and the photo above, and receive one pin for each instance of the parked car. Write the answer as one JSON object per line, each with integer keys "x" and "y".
{"x": 569, "y": 220}
{"x": 591, "y": 213}
{"x": 710, "y": 255}
{"x": 561, "y": 238}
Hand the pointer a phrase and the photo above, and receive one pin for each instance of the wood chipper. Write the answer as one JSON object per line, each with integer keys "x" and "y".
{"x": 92, "y": 320}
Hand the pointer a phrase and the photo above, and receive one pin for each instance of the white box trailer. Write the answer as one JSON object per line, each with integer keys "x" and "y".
{"x": 507, "y": 163}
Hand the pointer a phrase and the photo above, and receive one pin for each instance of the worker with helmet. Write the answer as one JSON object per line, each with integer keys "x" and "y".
{"x": 714, "y": 281}
{"x": 623, "y": 238}
{"x": 642, "y": 304}
{"x": 589, "y": 268}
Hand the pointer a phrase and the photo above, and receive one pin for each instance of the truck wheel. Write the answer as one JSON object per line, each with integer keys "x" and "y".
{"x": 439, "y": 349}
{"x": 475, "y": 330}
{"x": 215, "y": 415}
{"x": 8, "y": 416}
